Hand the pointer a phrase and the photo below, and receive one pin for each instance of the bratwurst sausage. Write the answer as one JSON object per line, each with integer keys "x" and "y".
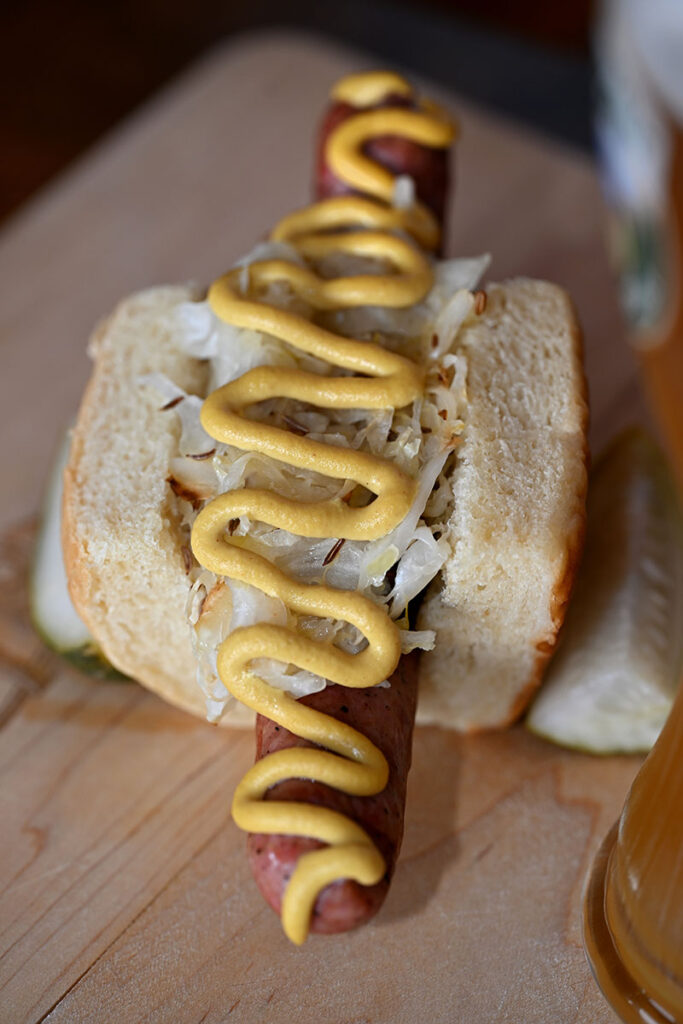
{"x": 429, "y": 168}
{"x": 386, "y": 714}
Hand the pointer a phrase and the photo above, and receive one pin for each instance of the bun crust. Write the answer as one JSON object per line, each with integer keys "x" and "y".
{"x": 515, "y": 533}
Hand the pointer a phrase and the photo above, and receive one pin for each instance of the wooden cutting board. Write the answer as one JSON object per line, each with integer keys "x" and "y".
{"x": 126, "y": 895}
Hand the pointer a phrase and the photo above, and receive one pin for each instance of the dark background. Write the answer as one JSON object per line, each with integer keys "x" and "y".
{"x": 70, "y": 70}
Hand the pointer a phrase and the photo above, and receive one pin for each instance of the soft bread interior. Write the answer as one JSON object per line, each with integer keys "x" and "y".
{"x": 515, "y": 531}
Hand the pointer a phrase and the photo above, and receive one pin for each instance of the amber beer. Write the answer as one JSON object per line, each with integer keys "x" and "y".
{"x": 633, "y": 913}
{"x": 633, "y": 919}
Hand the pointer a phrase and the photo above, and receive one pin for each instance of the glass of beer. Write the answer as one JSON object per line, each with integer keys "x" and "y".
{"x": 633, "y": 911}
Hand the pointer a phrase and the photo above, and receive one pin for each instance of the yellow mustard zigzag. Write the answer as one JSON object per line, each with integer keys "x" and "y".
{"x": 364, "y": 227}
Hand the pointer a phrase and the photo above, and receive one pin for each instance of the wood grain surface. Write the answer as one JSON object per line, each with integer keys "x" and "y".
{"x": 125, "y": 891}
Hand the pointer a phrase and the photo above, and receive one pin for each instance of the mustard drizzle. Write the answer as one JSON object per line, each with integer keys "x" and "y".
{"x": 349, "y": 761}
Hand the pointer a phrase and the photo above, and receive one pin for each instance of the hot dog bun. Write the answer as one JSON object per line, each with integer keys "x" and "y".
{"x": 123, "y": 547}
{"x": 515, "y": 532}
{"x": 517, "y": 528}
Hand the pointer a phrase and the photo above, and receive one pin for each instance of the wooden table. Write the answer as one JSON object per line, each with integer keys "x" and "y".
{"x": 126, "y": 895}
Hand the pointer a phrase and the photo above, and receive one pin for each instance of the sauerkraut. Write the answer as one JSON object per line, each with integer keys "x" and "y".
{"x": 421, "y": 438}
